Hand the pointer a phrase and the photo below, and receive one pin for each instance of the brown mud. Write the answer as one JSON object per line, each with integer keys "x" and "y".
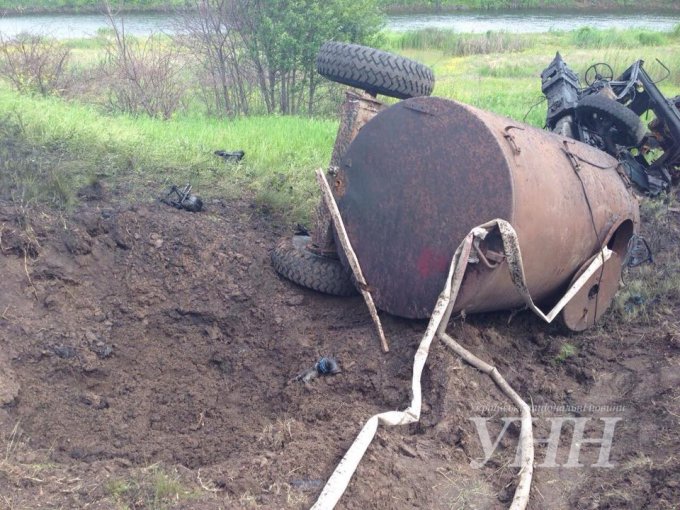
{"x": 147, "y": 357}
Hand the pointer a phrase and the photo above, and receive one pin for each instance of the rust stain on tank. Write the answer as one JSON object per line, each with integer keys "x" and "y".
{"x": 339, "y": 186}
{"x": 423, "y": 172}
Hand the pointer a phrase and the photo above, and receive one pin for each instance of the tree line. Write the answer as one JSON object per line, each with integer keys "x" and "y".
{"x": 237, "y": 57}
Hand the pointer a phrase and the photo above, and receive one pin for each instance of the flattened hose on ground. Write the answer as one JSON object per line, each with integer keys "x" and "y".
{"x": 339, "y": 480}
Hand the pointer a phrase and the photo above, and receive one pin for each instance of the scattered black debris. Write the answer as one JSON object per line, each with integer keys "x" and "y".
{"x": 64, "y": 351}
{"x": 92, "y": 192}
{"x": 639, "y": 176}
{"x": 633, "y": 302}
{"x": 182, "y": 199}
{"x": 230, "y": 156}
{"x": 325, "y": 366}
{"x": 94, "y": 401}
{"x": 301, "y": 230}
{"x": 638, "y": 252}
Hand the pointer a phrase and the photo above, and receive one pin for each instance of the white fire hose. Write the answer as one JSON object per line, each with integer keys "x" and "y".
{"x": 337, "y": 483}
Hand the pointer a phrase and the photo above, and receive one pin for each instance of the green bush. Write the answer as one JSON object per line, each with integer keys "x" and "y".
{"x": 589, "y": 37}
{"x": 651, "y": 38}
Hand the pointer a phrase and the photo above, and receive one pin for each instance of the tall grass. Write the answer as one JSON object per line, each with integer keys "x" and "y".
{"x": 455, "y": 44}
{"x": 588, "y": 37}
{"x": 143, "y": 154}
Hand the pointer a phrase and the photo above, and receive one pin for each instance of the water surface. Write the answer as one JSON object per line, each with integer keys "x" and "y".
{"x": 65, "y": 26}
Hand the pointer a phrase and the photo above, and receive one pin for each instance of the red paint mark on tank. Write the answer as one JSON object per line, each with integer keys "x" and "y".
{"x": 430, "y": 262}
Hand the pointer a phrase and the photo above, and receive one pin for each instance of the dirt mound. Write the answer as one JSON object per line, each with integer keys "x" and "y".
{"x": 148, "y": 358}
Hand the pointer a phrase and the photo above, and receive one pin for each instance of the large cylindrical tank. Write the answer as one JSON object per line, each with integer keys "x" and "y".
{"x": 423, "y": 172}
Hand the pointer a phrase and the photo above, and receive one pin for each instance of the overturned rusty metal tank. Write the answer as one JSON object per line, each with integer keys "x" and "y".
{"x": 423, "y": 172}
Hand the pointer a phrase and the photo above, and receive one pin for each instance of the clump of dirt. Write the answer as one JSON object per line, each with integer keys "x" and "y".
{"x": 149, "y": 356}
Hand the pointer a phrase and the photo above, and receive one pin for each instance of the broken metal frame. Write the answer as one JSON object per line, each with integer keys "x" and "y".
{"x": 182, "y": 199}
{"x": 636, "y": 90}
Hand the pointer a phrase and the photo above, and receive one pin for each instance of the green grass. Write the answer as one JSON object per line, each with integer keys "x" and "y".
{"x": 455, "y": 44}
{"x": 567, "y": 350}
{"x": 588, "y": 37}
{"x": 142, "y": 154}
{"x": 154, "y": 487}
{"x": 507, "y": 81}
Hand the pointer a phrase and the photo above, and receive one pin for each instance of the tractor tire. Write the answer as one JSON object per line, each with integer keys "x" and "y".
{"x": 292, "y": 260}
{"x": 375, "y": 71}
{"x": 628, "y": 128}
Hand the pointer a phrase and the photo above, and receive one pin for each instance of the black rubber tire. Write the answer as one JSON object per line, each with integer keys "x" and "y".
{"x": 629, "y": 129}
{"x": 374, "y": 71}
{"x": 292, "y": 260}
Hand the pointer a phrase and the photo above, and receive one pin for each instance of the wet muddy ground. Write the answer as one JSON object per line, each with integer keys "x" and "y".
{"x": 147, "y": 358}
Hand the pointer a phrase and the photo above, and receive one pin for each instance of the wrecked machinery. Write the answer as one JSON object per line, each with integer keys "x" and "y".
{"x": 605, "y": 113}
{"x": 413, "y": 178}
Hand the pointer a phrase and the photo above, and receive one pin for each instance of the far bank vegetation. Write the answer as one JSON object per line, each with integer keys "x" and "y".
{"x": 233, "y": 57}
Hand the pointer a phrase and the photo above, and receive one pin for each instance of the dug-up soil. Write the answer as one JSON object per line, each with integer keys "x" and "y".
{"x": 148, "y": 356}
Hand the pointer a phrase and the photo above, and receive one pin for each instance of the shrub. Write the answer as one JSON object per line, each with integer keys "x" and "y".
{"x": 142, "y": 76}
{"x": 34, "y": 64}
{"x": 651, "y": 38}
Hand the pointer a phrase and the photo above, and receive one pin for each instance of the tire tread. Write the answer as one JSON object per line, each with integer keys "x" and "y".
{"x": 631, "y": 129}
{"x": 374, "y": 70}
{"x": 294, "y": 262}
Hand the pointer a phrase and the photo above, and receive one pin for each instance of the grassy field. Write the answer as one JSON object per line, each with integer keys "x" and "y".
{"x": 67, "y": 144}
{"x": 501, "y": 72}
{"x": 70, "y": 145}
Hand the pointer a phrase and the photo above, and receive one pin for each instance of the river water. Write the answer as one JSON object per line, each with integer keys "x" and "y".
{"x": 536, "y": 20}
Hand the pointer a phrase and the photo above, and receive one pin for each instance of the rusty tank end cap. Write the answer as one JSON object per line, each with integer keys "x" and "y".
{"x": 415, "y": 180}
{"x": 595, "y": 297}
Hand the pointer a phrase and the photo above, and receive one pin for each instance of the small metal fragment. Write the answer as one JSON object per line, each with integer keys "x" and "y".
{"x": 638, "y": 252}
{"x": 182, "y": 199}
{"x": 325, "y": 366}
{"x": 230, "y": 156}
